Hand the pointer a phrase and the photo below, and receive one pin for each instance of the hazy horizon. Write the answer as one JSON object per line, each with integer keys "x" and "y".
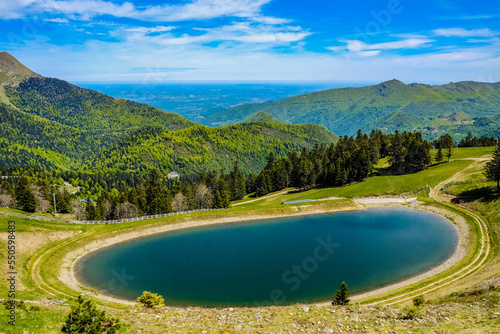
{"x": 255, "y": 41}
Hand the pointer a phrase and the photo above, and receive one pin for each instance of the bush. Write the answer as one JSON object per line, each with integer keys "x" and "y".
{"x": 18, "y": 304}
{"x": 410, "y": 312}
{"x": 419, "y": 300}
{"x": 35, "y": 308}
{"x": 86, "y": 318}
{"x": 151, "y": 300}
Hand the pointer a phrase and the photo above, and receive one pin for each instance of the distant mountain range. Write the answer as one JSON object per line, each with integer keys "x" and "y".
{"x": 454, "y": 108}
{"x": 47, "y": 122}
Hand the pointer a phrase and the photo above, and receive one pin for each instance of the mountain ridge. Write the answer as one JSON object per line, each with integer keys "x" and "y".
{"x": 345, "y": 110}
{"x": 53, "y": 124}
{"x": 12, "y": 72}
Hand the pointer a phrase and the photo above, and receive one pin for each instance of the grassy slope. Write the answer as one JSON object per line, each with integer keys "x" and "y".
{"x": 459, "y": 317}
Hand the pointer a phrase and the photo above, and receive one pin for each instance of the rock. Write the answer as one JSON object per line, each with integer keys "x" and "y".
{"x": 306, "y": 309}
{"x": 238, "y": 328}
{"x": 328, "y": 330}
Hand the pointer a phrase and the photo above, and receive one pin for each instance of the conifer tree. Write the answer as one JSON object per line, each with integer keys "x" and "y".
{"x": 158, "y": 199}
{"x": 238, "y": 187}
{"x": 86, "y": 318}
{"x": 439, "y": 155}
{"x": 218, "y": 201}
{"x": 250, "y": 183}
{"x": 90, "y": 212}
{"x": 25, "y": 199}
{"x": 342, "y": 296}
{"x": 492, "y": 169}
{"x": 263, "y": 183}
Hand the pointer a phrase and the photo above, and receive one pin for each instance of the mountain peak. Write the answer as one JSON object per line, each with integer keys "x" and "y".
{"x": 393, "y": 82}
{"x": 262, "y": 116}
{"x": 12, "y": 72}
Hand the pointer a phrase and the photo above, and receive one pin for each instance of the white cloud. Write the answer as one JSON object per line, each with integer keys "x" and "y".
{"x": 411, "y": 43}
{"x": 363, "y": 49}
{"x": 244, "y": 32}
{"x": 111, "y": 61}
{"x": 146, "y": 30}
{"x": 270, "y": 20}
{"x": 85, "y": 9}
{"x": 368, "y": 53}
{"x": 460, "y": 32}
{"x": 57, "y": 20}
{"x": 14, "y": 9}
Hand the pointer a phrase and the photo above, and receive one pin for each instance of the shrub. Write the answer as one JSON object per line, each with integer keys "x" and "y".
{"x": 419, "y": 300}
{"x": 18, "y": 304}
{"x": 151, "y": 300}
{"x": 86, "y": 318}
{"x": 410, "y": 312}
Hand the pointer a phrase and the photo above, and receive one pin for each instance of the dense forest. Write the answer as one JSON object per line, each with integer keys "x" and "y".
{"x": 117, "y": 195}
{"x": 349, "y": 160}
{"x": 86, "y": 109}
{"x": 32, "y": 141}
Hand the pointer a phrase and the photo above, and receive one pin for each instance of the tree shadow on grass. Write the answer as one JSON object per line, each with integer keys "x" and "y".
{"x": 482, "y": 194}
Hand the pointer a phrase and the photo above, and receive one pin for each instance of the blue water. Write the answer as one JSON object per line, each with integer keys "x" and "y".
{"x": 197, "y": 101}
{"x": 286, "y": 260}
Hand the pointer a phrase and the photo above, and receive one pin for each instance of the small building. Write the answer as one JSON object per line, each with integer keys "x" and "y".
{"x": 173, "y": 175}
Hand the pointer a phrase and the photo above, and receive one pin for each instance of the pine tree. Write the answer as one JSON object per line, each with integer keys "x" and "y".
{"x": 226, "y": 199}
{"x": 397, "y": 154}
{"x": 25, "y": 199}
{"x": 342, "y": 296}
{"x": 492, "y": 169}
{"x": 439, "y": 155}
{"x": 86, "y": 318}
{"x": 90, "y": 212}
{"x": 250, "y": 184}
{"x": 157, "y": 198}
{"x": 263, "y": 183}
{"x": 238, "y": 187}
{"x": 218, "y": 201}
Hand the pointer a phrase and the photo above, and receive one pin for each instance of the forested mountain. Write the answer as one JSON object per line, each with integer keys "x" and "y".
{"x": 262, "y": 116}
{"x": 200, "y": 149}
{"x": 456, "y": 108}
{"x": 86, "y": 109}
{"x": 49, "y": 123}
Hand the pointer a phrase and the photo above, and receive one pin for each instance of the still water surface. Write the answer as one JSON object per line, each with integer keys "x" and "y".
{"x": 281, "y": 260}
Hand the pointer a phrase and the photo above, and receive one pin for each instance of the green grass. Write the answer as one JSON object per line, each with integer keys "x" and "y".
{"x": 50, "y": 318}
{"x": 377, "y": 185}
{"x": 467, "y": 152}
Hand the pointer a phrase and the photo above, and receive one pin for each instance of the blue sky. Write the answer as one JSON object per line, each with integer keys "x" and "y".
{"x": 153, "y": 41}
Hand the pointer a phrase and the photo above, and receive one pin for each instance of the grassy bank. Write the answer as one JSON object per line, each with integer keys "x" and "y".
{"x": 43, "y": 245}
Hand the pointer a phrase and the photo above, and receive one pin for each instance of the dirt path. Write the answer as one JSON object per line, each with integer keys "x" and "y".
{"x": 471, "y": 267}
{"x": 434, "y": 192}
{"x": 263, "y": 197}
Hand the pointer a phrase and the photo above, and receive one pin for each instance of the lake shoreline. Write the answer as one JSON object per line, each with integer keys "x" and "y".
{"x": 69, "y": 276}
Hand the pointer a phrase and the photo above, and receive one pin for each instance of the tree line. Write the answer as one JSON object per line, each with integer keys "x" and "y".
{"x": 349, "y": 160}
{"x": 470, "y": 141}
{"x": 110, "y": 196}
